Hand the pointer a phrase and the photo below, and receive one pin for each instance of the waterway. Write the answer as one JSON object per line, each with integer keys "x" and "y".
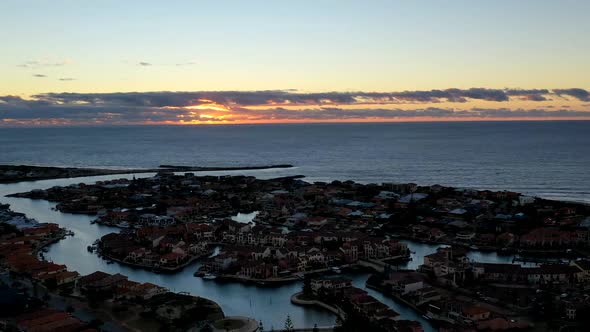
{"x": 269, "y": 305}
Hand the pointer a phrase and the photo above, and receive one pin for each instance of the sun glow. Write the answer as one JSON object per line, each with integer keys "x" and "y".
{"x": 207, "y": 104}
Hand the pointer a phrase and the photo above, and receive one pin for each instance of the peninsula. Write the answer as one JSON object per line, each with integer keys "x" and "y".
{"x": 18, "y": 173}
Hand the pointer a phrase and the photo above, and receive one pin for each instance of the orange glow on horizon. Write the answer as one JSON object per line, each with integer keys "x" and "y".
{"x": 205, "y": 120}
{"x": 370, "y": 120}
{"x": 208, "y": 104}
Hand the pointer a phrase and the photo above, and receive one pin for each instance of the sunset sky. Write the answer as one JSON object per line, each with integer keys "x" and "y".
{"x": 192, "y": 62}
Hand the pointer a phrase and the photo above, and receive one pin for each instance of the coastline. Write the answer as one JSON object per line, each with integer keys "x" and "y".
{"x": 396, "y": 298}
{"x": 295, "y": 299}
{"x": 500, "y": 250}
{"x": 63, "y": 234}
{"x": 26, "y": 173}
{"x": 158, "y": 269}
{"x": 279, "y": 280}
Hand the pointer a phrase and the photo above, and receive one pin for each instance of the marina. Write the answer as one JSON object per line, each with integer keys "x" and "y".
{"x": 235, "y": 298}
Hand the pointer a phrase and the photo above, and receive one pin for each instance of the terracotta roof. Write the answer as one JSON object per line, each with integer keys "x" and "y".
{"x": 473, "y": 310}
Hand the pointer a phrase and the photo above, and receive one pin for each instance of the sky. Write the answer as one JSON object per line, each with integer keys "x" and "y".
{"x": 204, "y": 62}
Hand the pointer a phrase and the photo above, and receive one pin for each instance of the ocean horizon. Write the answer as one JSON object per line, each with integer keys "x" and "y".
{"x": 542, "y": 158}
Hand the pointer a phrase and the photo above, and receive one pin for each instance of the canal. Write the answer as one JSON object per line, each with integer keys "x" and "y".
{"x": 269, "y": 305}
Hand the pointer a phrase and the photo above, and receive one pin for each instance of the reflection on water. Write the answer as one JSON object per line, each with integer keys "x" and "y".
{"x": 245, "y": 218}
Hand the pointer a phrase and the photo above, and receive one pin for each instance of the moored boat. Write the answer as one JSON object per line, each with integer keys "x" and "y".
{"x": 335, "y": 270}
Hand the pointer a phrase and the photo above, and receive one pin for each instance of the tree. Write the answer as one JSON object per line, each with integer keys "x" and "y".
{"x": 207, "y": 328}
{"x": 307, "y": 285}
{"x": 289, "y": 324}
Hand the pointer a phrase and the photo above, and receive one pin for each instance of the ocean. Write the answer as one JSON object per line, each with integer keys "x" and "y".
{"x": 547, "y": 158}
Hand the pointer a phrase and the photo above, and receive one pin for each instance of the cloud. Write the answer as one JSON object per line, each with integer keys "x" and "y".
{"x": 190, "y": 63}
{"x": 285, "y": 97}
{"x": 430, "y": 112}
{"x": 577, "y": 93}
{"x": 532, "y": 95}
{"x": 64, "y": 79}
{"x": 178, "y": 64}
{"x": 39, "y": 75}
{"x": 532, "y": 113}
{"x": 271, "y": 105}
{"x": 43, "y": 63}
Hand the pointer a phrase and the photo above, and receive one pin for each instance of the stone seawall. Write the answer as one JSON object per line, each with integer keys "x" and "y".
{"x": 296, "y": 299}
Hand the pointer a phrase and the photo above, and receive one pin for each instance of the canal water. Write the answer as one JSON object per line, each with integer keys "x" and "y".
{"x": 269, "y": 305}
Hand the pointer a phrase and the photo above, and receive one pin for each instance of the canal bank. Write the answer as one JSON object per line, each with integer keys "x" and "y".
{"x": 270, "y": 305}
{"x": 298, "y": 299}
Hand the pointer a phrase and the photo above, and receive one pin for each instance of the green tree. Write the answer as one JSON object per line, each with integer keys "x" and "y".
{"x": 307, "y": 285}
{"x": 289, "y": 324}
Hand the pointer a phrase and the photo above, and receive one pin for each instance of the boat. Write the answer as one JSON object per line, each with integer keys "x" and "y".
{"x": 473, "y": 247}
{"x": 335, "y": 269}
{"x": 209, "y": 276}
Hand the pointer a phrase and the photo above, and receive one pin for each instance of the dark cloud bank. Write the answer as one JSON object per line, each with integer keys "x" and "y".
{"x": 251, "y": 98}
{"x": 150, "y": 107}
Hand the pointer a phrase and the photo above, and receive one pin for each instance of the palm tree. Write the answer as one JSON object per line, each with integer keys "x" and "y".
{"x": 289, "y": 324}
